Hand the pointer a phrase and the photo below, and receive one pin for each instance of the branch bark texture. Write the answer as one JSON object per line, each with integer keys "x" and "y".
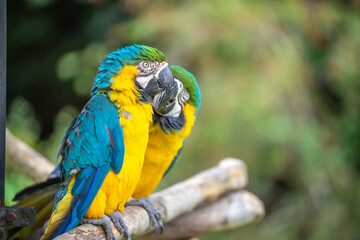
{"x": 230, "y": 175}
{"x": 230, "y": 211}
{"x": 26, "y": 160}
{"x": 210, "y": 201}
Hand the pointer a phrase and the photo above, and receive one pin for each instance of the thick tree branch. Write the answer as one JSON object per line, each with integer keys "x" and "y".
{"x": 26, "y": 160}
{"x": 204, "y": 189}
{"x": 233, "y": 210}
{"x": 230, "y": 175}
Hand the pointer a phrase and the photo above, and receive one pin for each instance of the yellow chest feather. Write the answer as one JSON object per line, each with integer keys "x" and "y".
{"x": 161, "y": 150}
{"x": 135, "y": 119}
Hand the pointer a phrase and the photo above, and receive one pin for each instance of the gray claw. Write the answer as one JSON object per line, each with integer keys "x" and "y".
{"x": 154, "y": 214}
{"x": 105, "y": 222}
{"x": 120, "y": 224}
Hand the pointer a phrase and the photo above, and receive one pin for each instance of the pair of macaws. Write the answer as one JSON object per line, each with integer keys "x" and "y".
{"x": 126, "y": 138}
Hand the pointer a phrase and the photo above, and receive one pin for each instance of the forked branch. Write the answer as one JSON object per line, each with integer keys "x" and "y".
{"x": 206, "y": 187}
{"x": 210, "y": 201}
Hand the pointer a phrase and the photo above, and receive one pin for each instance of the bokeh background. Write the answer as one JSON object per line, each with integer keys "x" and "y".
{"x": 279, "y": 82}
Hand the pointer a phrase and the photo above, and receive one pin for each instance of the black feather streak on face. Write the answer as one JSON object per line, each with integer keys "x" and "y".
{"x": 170, "y": 124}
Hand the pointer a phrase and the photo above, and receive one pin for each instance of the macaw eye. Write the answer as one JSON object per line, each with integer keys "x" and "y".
{"x": 145, "y": 65}
{"x": 184, "y": 97}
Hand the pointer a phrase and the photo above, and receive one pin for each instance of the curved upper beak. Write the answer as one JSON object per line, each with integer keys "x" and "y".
{"x": 163, "y": 88}
{"x": 163, "y": 80}
{"x": 166, "y": 101}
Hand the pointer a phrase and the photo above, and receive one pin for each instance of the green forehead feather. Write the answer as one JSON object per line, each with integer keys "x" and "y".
{"x": 190, "y": 84}
{"x": 149, "y": 53}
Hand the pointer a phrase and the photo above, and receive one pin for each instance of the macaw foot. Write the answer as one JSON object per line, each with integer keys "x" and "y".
{"x": 119, "y": 223}
{"x": 105, "y": 222}
{"x": 154, "y": 214}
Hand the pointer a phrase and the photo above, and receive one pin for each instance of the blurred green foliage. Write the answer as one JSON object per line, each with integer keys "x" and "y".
{"x": 280, "y": 90}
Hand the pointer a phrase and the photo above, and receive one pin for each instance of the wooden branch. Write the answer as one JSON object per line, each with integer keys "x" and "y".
{"x": 229, "y": 175}
{"x": 233, "y": 210}
{"x": 26, "y": 160}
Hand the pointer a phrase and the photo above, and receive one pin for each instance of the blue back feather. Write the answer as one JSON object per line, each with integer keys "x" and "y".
{"x": 92, "y": 145}
{"x": 88, "y": 138}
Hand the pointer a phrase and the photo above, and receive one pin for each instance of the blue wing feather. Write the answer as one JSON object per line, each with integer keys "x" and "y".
{"x": 118, "y": 147}
{"x": 87, "y": 184}
{"x": 93, "y": 144}
{"x": 88, "y": 138}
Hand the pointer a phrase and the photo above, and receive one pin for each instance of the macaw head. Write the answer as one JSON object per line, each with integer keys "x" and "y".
{"x": 169, "y": 108}
{"x": 153, "y": 73}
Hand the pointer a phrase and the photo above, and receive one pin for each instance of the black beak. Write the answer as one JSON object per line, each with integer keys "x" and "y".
{"x": 166, "y": 79}
{"x": 163, "y": 82}
{"x": 165, "y": 101}
{"x": 153, "y": 88}
{"x": 163, "y": 90}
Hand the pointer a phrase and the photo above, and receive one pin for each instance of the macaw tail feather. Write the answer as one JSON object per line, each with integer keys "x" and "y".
{"x": 38, "y": 195}
{"x": 60, "y": 212}
{"x": 36, "y": 189}
{"x": 41, "y": 196}
{"x": 42, "y": 216}
{"x": 81, "y": 191}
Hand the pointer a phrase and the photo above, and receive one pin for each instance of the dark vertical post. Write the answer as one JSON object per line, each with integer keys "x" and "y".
{"x": 9, "y": 216}
{"x": 2, "y": 98}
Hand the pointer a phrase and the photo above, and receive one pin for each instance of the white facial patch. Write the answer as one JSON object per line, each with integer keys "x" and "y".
{"x": 148, "y": 70}
{"x": 152, "y": 70}
{"x": 175, "y": 112}
{"x": 144, "y": 80}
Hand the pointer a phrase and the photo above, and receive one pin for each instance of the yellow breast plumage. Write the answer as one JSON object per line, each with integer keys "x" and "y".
{"x": 135, "y": 119}
{"x": 161, "y": 150}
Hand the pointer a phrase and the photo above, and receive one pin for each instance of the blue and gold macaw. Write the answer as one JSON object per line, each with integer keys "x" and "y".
{"x": 103, "y": 148}
{"x": 173, "y": 121}
{"x": 172, "y": 125}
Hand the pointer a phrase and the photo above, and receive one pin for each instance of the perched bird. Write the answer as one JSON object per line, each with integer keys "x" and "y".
{"x": 172, "y": 125}
{"x": 103, "y": 149}
{"x": 173, "y": 120}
